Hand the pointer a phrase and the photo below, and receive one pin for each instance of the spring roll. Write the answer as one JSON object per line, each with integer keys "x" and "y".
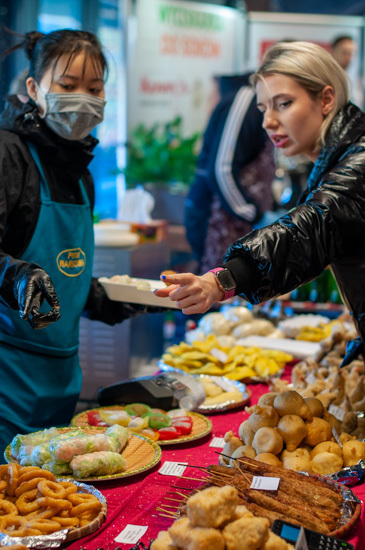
{"x": 24, "y": 453}
{"x": 31, "y": 439}
{"x": 118, "y": 437}
{"x": 57, "y": 468}
{"x": 98, "y": 464}
{"x": 65, "y": 450}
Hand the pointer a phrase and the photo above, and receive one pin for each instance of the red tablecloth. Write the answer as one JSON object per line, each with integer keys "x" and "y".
{"x": 134, "y": 500}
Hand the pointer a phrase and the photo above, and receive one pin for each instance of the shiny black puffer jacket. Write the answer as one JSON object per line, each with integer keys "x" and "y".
{"x": 326, "y": 228}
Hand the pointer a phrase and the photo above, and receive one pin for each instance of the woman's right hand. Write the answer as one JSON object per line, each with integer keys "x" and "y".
{"x": 192, "y": 293}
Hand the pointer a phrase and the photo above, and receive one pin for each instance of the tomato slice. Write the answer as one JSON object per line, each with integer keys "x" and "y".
{"x": 169, "y": 433}
{"x": 184, "y": 427}
{"x": 93, "y": 418}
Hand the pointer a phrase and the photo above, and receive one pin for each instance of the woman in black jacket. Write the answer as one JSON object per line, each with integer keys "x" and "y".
{"x": 303, "y": 94}
{"x": 46, "y": 231}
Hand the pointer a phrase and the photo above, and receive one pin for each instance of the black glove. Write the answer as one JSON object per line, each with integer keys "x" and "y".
{"x": 32, "y": 286}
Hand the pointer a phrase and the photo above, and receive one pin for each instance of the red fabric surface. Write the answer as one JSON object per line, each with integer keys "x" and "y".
{"x": 134, "y": 500}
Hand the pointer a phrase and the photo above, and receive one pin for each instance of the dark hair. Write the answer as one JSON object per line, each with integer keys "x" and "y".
{"x": 339, "y": 39}
{"x": 44, "y": 50}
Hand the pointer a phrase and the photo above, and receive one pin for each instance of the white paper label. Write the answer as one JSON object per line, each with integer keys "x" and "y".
{"x": 311, "y": 378}
{"x": 172, "y": 468}
{"x": 301, "y": 543}
{"x": 131, "y": 534}
{"x": 217, "y": 442}
{"x": 265, "y": 483}
{"x": 337, "y": 412}
{"x": 335, "y": 435}
{"x": 219, "y": 354}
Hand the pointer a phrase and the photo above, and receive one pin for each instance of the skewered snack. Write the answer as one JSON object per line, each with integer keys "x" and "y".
{"x": 299, "y": 499}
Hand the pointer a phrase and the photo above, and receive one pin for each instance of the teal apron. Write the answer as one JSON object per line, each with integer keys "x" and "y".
{"x": 40, "y": 374}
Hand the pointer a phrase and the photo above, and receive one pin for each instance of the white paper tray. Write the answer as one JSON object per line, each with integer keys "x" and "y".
{"x": 133, "y": 295}
{"x": 297, "y": 348}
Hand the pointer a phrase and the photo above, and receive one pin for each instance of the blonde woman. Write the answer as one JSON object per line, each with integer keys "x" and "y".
{"x": 303, "y": 94}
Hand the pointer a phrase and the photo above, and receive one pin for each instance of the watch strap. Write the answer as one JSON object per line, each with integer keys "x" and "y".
{"x": 228, "y": 294}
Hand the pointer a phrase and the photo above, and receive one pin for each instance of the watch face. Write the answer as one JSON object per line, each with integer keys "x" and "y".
{"x": 226, "y": 280}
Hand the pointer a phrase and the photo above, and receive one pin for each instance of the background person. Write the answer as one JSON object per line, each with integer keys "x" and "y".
{"x": 46, "y": 231}
{"x": 303, "y": 95}
{"x": 232, "y": 185}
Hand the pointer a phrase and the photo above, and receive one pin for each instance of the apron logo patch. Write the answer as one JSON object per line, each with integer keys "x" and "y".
{"x": 71, "y": 262}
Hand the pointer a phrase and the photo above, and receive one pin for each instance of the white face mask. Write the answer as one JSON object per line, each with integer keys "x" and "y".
{"x": 73, "y": 116}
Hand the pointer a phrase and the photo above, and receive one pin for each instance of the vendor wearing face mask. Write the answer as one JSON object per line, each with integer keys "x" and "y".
{"x": 46, "y": 231}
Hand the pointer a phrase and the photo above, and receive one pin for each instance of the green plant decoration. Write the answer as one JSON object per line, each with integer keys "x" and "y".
{"x": 161, "y": 155}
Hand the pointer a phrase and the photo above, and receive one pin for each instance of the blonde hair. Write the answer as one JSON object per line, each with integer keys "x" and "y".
{"x": 313, "y": 68}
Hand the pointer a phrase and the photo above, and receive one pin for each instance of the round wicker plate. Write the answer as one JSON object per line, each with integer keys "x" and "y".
{"x": 202, "y": 426}
{"x": 73, "y": 533}
{"x": 140, "y": 452}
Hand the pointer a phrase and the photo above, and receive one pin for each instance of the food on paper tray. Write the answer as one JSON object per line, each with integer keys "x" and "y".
{"x": 287, "y": 434}
{"x": 216, "y": 520}
{"x": 56, "y": 453}
{"x": 217, "y": 393}
{"x": 212, "y": 358}
{"x": 34, "y": 503}
{"x": 139, "y": 417}
{"x": 141, "y": 284}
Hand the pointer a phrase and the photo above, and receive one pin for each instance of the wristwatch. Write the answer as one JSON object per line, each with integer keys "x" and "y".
{"x": 225, "y": 281}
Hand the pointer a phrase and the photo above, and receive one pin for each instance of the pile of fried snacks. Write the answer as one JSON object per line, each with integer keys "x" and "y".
{"x": 315, "y": 334}
{"x": 33, "y": 503}
{"x": 236, "y": 363}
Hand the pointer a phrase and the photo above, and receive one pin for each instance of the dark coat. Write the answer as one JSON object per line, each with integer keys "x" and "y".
{"x": 64, "y": 162}
{"x": 326, "y": 228}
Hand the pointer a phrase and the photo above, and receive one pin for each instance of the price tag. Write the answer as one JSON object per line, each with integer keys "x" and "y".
{"x": 219, "y": 354}
{"x": 217, "y": 442}
{"x": 265, "y": 483}
{"x": 131, "y": 534}
{"x": 301, "y": 543}
{"x": 335, "y": 435}
{"x": 311, "y": 378}
{"x": 337, "y": 412}
{"x": 172, "y": 468}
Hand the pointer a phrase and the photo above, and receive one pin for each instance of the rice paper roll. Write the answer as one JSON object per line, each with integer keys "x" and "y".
{"x": 118, "y": 436}
{"x": 98, "y": 464}
{"x": 57, "y": 468}
{"x": 31, "y": 439}
{"x": 24, "y": 455}
{"x": 64, "y": 450}
{"x": 40, "y": 454}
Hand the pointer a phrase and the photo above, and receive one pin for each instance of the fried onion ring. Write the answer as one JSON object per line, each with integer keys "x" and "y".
{"x": 69, "y": 487}
{"x": 42, "y": 513}
{"x": 3, "y": 470}
{"x": 14, "y": 526}
{"x": 66, "y": 521}
{"x": 51, "y": 489}
{"x": 40, "y": 473}
{"x": 27, "y": 486}
{"x": 44, "y": 525}
{"x": 3, "y": 485}
{"x": 27, "y": 502}
{"x": 7, "y": 509}
{"x": 11, "y": 477}
{"x": 59, "y": 503}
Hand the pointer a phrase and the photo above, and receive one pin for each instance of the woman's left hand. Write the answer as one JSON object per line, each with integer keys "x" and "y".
{"x": 192, "y": 293}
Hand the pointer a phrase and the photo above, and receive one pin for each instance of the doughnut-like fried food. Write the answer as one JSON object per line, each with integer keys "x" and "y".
{"x": 163, "y": 542}
{"x": 186, "y": 537}
{"x": 276, "y": 543}
{"x": 246, "y": 533}
{"x": 213, "y": 506}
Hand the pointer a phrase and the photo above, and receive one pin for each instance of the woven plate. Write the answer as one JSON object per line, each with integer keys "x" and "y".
{"x": 140, "y": 452}
{"x": 202, "y": 426}
{"x": 73, "y": 533}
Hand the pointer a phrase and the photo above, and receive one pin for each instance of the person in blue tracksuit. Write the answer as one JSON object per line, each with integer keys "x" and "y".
{"x": 46, "y": 231}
